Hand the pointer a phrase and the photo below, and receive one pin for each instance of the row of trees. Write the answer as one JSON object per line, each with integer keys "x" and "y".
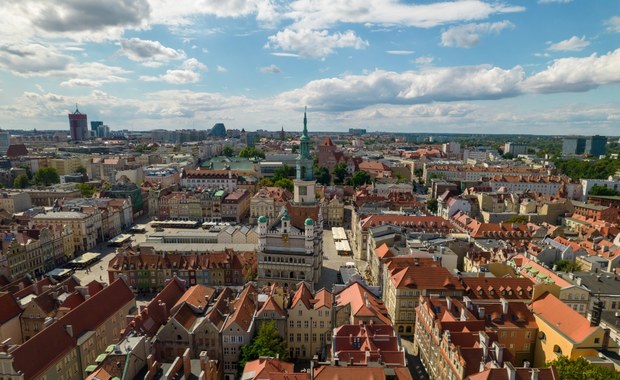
{"x": 42, "y": 177}
{"x": 578, "y": 169}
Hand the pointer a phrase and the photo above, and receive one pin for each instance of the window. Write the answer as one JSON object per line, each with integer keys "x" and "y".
{"x": 298, "y": 337}
{"x": 306, "y": 324}
{"x": 291, "y": 324}
{"x": 322, "y": 324}
{"x": 291, "y": 337}
{"x": 597, "y": 340}
{"x": 298, "y": 324}
{"x": 306, "y": 337}
{"x": 526, "y": 347}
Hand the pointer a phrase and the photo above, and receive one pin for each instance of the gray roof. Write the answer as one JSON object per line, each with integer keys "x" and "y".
{"x": 62, "y": 215}
{"x": 603, "y": 282}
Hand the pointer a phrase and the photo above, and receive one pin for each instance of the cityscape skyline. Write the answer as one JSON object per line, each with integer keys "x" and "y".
{"x": 547, "y": 67}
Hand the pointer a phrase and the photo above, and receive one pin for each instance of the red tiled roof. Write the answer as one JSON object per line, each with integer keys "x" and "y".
{"x": 383, "y": 251}
{"x": 424, "y": 277}
{"x": 32, "y": 360}
{"x": 262, "y": 368}
{"x": 197, "y": 296}
{"x": 9, "y": 307}
{"x": 549, "y": 373}
{"x": 562, "y": 318}
{"x": 360, "y": 373}
{"x": 244, "y": 308}
{"x": 505, "y": 287}
{"x": 363, "y": 303}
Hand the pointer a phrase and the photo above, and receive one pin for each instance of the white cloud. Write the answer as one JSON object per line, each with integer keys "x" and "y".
{"x": 577, "y": 74}
{"x": 424, "y": 60}
{"x": 188, "y": 72}
{"x": 409, "y": 87}
{"x": 313, "y": 43}
{"x": 613, "y": 24}
{"x": 320, "y": 14}
{"x": 92, "y": 74}
{"x": 554, "y": 1}
{"x": 170, "y": 12}
{"x": 572, "y": 44}
{"x": 271, "y": 69}
{"x": 32, "y": 59}
{"x": 286, "y": 55}
{"x": 400, "y": 52}
{"x": 221, "y": 69}
{"x": 468, "y": 35}
{"x": 152, "y": 53}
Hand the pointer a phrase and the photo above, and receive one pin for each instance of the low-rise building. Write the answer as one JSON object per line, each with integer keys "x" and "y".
{"x": 268, "y": 202}
{"x": 13, "y": 202}
{"x": 236, "y": 205}
{"x": 309, "y": 322}
{"x": 86, "y": 227}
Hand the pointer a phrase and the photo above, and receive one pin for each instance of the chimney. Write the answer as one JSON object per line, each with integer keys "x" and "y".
{"x": 535, "y": 373}
{"x": 510, "y": 370}
{"x": 203, "y": 360}
{"x": 187, "y": 366}
{"x": 449, "y": 304}
{"x": 579, "y": 281}
{"x": 481, "y": 312}
{"x": 499, "y": 353}
{"x": 69, "y": 329}
{"x": 447, "y": 334}
{"x": 336, "y": 361}
{"x": 504, "y": 306}
{"x": 467, "y": 302}
{"x": 164, "y": 310}
{"x": 463, "y": 314}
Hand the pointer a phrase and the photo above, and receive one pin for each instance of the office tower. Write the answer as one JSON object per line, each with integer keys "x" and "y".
{"x": 78, "y": 125}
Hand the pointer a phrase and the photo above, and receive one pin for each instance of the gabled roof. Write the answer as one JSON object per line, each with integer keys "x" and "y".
{"x": 363, "y": 303}
{"x": 383, "y": 251}
{"x": 271, "y": 305}
{"x": 562, "y": 318}
{"x": 303, "y": 294}
{"x": 424, "y": 277}
{"x": 32, "y": 360}
{"x": 9, "y": 307}
{"x": 262, "y": 368}
{"x": 361, "y": 373}
{"x": 198, "y": 296}
{"x": 244, "y": 308}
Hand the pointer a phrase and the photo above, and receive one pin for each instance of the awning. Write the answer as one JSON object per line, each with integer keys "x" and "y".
{"x": 100, "y": 358}
{"x": 110, "y": 348}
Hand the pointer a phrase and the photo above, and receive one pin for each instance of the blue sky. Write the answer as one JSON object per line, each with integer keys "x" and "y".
{"x": 470, "y": 66}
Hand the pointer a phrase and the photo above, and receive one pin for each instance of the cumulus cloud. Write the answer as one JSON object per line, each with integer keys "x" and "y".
{"x": 424, "y": 60}
{"x": 572, "y": 44}
{"x": 150, "y": 52}
{"x": 468, "y": 35}
{"x": 400, "y": 52}
{"x": 221, "y": 69}
{"x": 271, "y": 69}
{"x": 409, "y": 87}
{"x": 577, "y": 74}
{"x": 170, "y": 13}
{"x": 325, "y": 13}
{"x": 93, "y": 74}
{"x": 449, "y": 84}
{"x": 613, "y": 24}
{"x": 188, "y": 72}
{"x": 32, "y": 59}
{"x": 314, "y": 43}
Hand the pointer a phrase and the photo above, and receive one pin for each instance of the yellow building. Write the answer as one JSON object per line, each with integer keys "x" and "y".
{"x": 405, "y": 286}
{"x": 310, "y": 326}
{"x": 66, "y": 166}
{"x": 562, "y": 331}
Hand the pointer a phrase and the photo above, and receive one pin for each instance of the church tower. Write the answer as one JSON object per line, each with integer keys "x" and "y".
{"x": 304, "y": 181}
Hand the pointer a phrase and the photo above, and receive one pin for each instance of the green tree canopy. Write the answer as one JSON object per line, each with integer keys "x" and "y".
{"x": 590, "y": 169}
{"x": 581, "y": 369}
{"x": 519, "y": 219}
{"x": 359, "y": 178}
{"x": 265, "y": 182}
{"x": 266, "y": 343}
{"x": 86, "y": 189}
{"x": 81, "y": 169}
{"x": 46, "y": 176}
{"x": 603, "y": 190}
{"x": 251, "y": 152}
{"x": 432, "y": 205}
{"x": 228, "y": 151}
{"x": 285, "y": 183}
{"x": 567, "y": 266}
{"x": 340, "y": 173}
{"x": 283, "y": 172}
{"x": 322, "y": 175}
{"x": 21, "y": 181}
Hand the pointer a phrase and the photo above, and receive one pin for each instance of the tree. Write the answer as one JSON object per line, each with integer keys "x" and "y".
{"x": 86, "y": 189}
{"x": 322, "y": 175}
{"x": 282, "y": 172}
{"x": 228, "y": 151}
{"x": 603, "y": 190}
{"x": 508, "y": 156}
{"x": 567, "y": 266}
{"x": 581, "y": 369}
{"x": 340, "y": 173}
{"x": 21, "y": 181}
{"x": 250, "y": 152}
{"x": 285, "y": 183}
{"x": 359, "y": 178}
{"x": 81, "y": 169}
{"x": 28, "y": 170}
{"x": 432, "y": 205}
{"x": 294, "y": 148}
{"x": 46, "y": 176}
{"x": 265, "y": 182}
{"x": 418, "y": 172}
{"x": 518, "y": 219}
{"x": 266, "y": 343}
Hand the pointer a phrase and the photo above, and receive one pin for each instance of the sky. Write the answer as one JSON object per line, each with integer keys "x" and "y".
{"x": 471, "y": 66}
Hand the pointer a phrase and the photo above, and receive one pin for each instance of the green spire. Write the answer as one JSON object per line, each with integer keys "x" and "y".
{"x": 305, "y": 133}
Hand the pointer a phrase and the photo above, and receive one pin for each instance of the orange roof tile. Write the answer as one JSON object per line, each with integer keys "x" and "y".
{"x": 562, "y": 318}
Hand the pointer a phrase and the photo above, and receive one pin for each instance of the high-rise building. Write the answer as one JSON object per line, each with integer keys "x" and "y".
{"x": 515, "y": 149}
{"x": 596, "y": 145}
{"x": 94, "y": 125}
{"x": 5, "y": 141}
{"x": 78, "y": 125}
{"x": 573, "y": 145}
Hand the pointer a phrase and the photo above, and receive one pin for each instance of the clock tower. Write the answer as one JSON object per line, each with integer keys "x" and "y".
{"x": 304, "y": 182}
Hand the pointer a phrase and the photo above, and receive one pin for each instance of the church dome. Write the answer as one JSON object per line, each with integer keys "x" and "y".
{"x": 308, "y": 222}
{"x": 262, "y": 219}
